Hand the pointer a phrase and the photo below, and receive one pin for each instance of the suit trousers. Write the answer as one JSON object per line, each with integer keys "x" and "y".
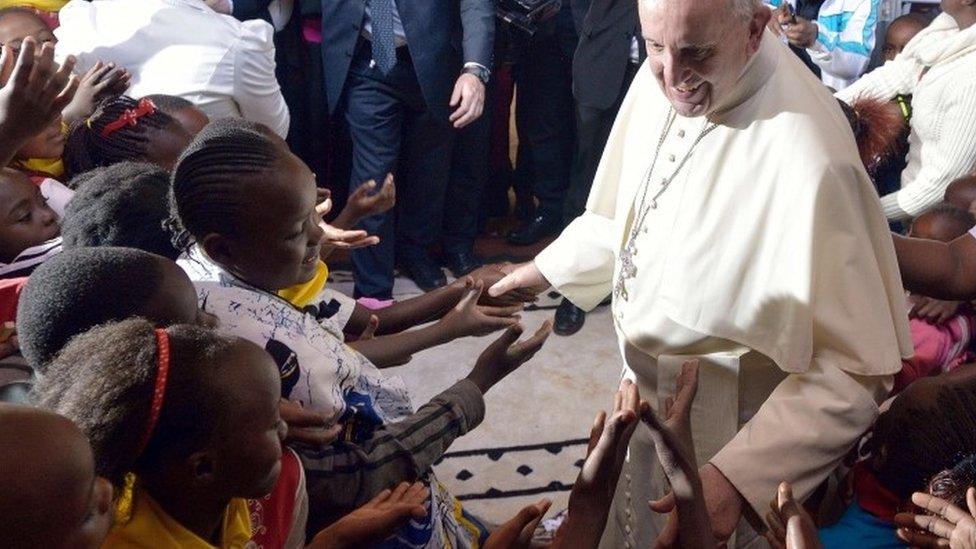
{"x": 392, "y": 130}
{"x": 593, "y": 127}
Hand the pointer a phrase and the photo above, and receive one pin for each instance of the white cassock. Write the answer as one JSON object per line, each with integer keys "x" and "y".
{"x": 767, "y": 257}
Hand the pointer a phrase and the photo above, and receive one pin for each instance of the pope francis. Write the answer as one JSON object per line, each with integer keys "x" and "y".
{"x": 731, "y": 220}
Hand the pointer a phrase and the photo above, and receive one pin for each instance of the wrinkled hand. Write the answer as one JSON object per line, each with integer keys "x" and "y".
{"x": 517, "y": 532}
{"x": 504, "y": 355}
{"x": 689, "y": 524}
{"x": 521, "y": 276}
{"x": 592, "y": 494}
{"x": 946, "y": 526}
{"x": 790, "y": 526}
{"x": 933, "y": 311}
{"x": 102, "y": 81}
{"x": 467, "y": 318}
{"x": 336, "y": 238}
{"x": 34, "y": 89}
{"x": 491, "y": 275}
{"x": 801, "y": 34}
{"x": 306, "y": 427}
{"x": 366, "y": 200}
{"x": 377, "y": 520}
{"x": 468, "y": 100}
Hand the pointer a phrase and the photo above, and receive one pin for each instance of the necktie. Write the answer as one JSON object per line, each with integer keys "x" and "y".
{"x": 384, "y": 46}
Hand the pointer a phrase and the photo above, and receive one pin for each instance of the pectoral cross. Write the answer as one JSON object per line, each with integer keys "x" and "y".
{"x": 628, "y": 270}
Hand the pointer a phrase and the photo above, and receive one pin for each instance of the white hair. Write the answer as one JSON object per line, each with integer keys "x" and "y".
{"x": 743, "y": 9}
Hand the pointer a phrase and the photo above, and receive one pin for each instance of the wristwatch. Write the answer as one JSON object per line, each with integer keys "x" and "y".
{"x": 482, "y": 73}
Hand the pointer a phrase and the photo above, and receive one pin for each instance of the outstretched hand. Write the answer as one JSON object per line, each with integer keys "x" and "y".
{"x": 102, "y": 81}
{"x": 592, "y": 494}
{"x": 688, "y": 525}
{"x": 34, "y": 91}
{"x": 491, "y": 275}
{"x": 342, "y": 239}
{"x": 306, "y": 427}
{"x": 467, "y": 318}
{"x": 517, "y": 532}
{"x": 366, "y": 200}
{"x": 377, "y": 519}
{"x": 525, "y": 276}
{"x": 946, "y": 525}
{"x": 790, "y": 526}
{"x": 506, "y": 354}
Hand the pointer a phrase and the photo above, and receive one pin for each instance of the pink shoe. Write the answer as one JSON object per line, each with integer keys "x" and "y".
{"x": 373, "y": 304}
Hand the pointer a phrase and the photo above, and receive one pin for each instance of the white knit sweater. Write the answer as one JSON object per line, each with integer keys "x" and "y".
{"x": 942, "y": 142}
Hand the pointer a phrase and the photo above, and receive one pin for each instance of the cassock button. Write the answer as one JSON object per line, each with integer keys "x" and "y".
{"x": 670, "y": 158}
{"x": 681, "y": 133}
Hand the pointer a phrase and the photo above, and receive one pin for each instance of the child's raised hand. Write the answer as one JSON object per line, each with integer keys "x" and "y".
{"x": 34, "y": 89}
{"x": 336, "y": 238}
{"x": 589, "y": 502}
{"x": 688, "y": 525}
{"x": 933, "y": 311}
{"x": 102, "y": 81}
{"x": 945, "y": 526}
{"x": 467, "y": 318}
{"x": 377, "y": 519}
{"x": 790, "y": 526}
{"x": 506, "y": 354}
{"x": 306, "y": 427}
{"x": 366, "y": 200}
{"x": 517, "y": 532}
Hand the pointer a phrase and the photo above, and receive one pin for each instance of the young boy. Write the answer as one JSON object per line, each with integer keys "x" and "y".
{"x": 29, "y": 230}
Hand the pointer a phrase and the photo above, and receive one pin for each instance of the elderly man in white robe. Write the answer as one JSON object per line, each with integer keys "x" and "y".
{"x": 732, "y": 220}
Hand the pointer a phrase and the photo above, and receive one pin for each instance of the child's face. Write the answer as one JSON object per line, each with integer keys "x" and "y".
{"x": 247, "y": 452}
{"x": 279, "y": 244}
{"x": 166, "y": 144}
{"x": 25, "y": 218}
{"x": 17, "y": 25}
{"x": 192, "y": 119}
{"x": 46, "y": 144}
{"x": 899, "y": 34}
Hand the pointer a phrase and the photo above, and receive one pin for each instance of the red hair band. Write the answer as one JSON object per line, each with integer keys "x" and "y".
{"x": 159, "y": 391}
{"x": 130, "y": 117}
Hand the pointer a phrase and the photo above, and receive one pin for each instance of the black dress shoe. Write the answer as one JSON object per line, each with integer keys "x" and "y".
{"x": 424, "y": 272}
{"x": 540, "y": 227}
{"x": 569, "y": 318}
{"x": 461, "y": 263}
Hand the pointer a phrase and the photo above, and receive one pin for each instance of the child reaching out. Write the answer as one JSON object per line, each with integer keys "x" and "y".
{"x": 52, "y": 496}
{"x": 249, "y": 206}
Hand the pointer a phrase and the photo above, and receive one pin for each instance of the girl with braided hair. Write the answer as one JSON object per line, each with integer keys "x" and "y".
{"x": 122, "y": 129}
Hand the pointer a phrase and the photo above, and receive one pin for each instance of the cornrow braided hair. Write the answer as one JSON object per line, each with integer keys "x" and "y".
{"x": 207, "y": 193}
{"x": 910, "y": 447}
{"x": 104, "y": 380}
{"x": 87, "y": 149}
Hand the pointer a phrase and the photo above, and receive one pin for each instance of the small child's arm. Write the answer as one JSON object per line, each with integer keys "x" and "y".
{"x": 938, "y": 269}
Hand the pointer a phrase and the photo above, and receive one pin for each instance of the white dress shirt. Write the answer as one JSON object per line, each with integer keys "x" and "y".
{"x": 180, "y": 47}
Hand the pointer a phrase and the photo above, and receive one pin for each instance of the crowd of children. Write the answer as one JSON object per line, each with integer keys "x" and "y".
{"x": 185, "y": 376}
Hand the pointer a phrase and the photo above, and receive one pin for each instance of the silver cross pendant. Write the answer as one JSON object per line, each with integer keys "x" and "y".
{"x": 628, "y": 269}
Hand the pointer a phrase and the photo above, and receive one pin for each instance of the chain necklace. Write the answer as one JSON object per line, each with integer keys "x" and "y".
{"x": 628, "y": 269}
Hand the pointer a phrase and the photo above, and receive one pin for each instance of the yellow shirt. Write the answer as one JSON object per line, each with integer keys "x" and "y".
{"x": 151, "y": 527}
{"x": 303, "y": 294}
{"x": 42, "y": 5}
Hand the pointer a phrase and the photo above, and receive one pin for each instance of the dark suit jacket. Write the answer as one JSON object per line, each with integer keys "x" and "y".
{"x": 442, "y": 35}
{"x": 251, "y": 9}
{"x": 603, "y": 52}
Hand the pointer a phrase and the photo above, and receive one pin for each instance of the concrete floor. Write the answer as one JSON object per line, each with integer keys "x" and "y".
{"x": 533, "y": 437}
